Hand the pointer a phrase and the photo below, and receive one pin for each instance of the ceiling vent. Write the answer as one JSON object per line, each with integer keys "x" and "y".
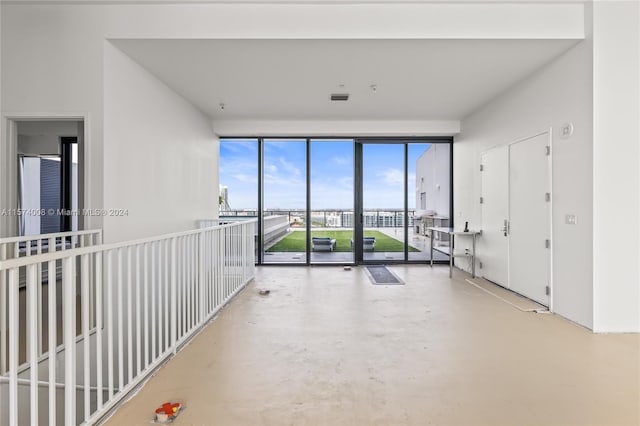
{"x": 339, "y": 96}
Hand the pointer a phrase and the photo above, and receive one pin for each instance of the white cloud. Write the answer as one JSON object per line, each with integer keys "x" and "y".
{"x": 245, "y": 178}
{"x": 270, "y": 168}
{"x": 392, "y": 176}
{"x": 341, "y": 161}
{"x": 289, "y": 167}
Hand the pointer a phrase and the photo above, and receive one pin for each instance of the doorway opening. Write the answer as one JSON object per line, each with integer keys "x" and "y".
{"x": 49, "y": 166}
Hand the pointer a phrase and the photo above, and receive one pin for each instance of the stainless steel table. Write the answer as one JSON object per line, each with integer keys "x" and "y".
{"x": 450, "y": 250}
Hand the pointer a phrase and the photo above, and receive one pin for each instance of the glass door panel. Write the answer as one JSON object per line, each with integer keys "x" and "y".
{"x": 383, "y": 188}
{"x": 285, "y": 194}
{"x": 238, "y": 199}
{"x": 331, "y": 189}
{"x": 429, "y": 176}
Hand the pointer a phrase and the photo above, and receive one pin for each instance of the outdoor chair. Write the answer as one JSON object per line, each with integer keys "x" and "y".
{"x": 323, "y": 244}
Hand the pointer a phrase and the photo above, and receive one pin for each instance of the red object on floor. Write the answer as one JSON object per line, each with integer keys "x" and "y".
{"x": 168, "y": 408}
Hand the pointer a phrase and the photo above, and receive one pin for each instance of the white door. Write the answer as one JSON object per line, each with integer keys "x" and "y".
{"x": 493, "y": 243}
{"x": 530, "y": 218}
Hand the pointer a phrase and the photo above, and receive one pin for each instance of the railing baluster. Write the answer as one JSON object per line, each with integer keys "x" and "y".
{"x": 69, "y": 324}
{"x": 189, "y": 264}
{"x": 163, "y": 283}
{"x": 53, "y": 331}
{"x": 39, "y": 296}
{"x": 146, "y": 305}
{"x": 201, "y": 279}
{"x": 154, "y": 301}
{"x": 192, "y": 281}
{"x": 180, "y": 285}
{"x": 110, "y": 326}
{"x": 163, "y": 342}
{"x": 14, "y": 312}
{"x": 99, "y": 294}
{"x": 120, "y": 308}
{"x": 208, "y": 270}
{"x": 174, "y": 279}
{"x": 167, "y": 290}
{"x": 86, "y": 338}
{"x": 219, "y": 265}
{"x": 32, "y": 335}
{"x": 129, "y": 316}
{"x": 209, "y": 258}
{"x": 138, "y": 312}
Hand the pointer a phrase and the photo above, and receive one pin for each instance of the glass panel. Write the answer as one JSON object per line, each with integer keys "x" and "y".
{"x": 238, "y": 197}
{"x": 383, "y": 201}
{"x": 429, "y": 197}
{"x": 284, "y": 184}
{"x": 332, "y": 201}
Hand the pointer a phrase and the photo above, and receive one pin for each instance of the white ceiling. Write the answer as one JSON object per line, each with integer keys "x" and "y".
{"x": 292, "y": 79}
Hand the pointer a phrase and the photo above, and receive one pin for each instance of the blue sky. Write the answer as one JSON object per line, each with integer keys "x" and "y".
{"x": 331, "y": 174}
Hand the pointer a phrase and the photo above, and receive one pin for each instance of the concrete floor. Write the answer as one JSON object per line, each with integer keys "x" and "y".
{"x": 326, "y": 347}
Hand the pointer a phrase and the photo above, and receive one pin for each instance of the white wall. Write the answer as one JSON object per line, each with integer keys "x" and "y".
{"x": 560, "y": 92}
{"x": 616, "y": 203}
{"x": 244, "y": 128}
{"x": 52, "y": 54}
{"x": 43, "y": 137}
{"x": 159, "y": 154}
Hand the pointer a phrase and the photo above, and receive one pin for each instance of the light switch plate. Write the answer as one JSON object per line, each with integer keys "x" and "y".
{"x": 571, "y": 219}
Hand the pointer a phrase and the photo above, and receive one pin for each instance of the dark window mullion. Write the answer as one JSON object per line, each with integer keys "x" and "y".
{"x": 308, "y": 207}
{"x": 406, "y": 202}
{"x": 260, "y": 215}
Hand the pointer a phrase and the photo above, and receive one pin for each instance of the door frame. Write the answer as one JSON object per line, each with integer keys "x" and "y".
{"x": 359, "y": 193}
{"x": 549, "y": 132}
{"x": 357, "y": 170}
{"x": 9, "y": 164}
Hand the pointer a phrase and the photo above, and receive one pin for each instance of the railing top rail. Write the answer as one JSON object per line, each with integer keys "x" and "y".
{"x": 46, "y": 257}
{"x": 48, "y": 236}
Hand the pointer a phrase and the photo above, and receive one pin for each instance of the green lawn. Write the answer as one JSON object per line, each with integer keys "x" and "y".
{"x": 295, "y": 241}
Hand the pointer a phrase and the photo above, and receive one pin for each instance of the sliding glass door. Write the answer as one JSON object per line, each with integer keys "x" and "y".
{"x": 338, "y": 201}
{"x": 383, "y": 202}
{"x": 331, "y": 195}
{"x": 284, "y": 211}
{"x": 238, "y": 177}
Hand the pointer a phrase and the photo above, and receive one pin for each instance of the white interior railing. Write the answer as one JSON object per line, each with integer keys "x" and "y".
{"x": 28, "y": 245}
{"x": 125, "y": 308}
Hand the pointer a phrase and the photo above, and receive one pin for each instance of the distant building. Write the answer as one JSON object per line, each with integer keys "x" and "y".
{"x": 224, "y": 199}
{"x": 433, "y": 187}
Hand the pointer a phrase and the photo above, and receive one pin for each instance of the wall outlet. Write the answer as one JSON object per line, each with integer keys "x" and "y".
{"x": 571, "y": 219}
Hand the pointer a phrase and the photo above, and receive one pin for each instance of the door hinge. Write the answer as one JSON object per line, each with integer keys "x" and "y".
{"x": 547, "y": 197}
{"x": 481, "y": 168}
{"x": 547, "y": 150}
{"x": 547, "y": 290}
{"x": 547, "y": 243}
{"x": 480, "y": 265}
{"x": 481, "y": 200}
